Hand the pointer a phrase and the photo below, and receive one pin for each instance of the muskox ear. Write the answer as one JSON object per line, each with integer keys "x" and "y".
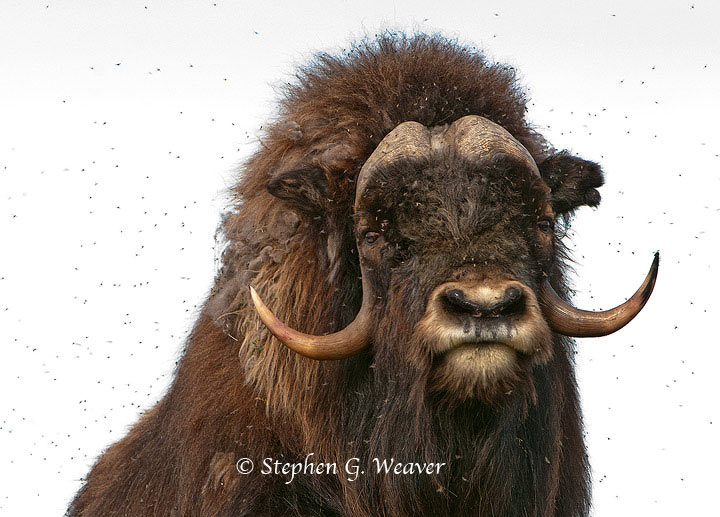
{"x": 306, "y": 188}
{"x": 572, "y": 181}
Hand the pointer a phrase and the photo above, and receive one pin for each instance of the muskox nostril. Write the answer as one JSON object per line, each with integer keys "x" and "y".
{"x": 508, "y": 303}
{"x": 458, "y": 302}
{"x": 455, "y": 296}
{"x": 512, "y": 302}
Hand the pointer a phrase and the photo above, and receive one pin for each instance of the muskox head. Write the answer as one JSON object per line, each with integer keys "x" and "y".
{"x": 454, "y": 227}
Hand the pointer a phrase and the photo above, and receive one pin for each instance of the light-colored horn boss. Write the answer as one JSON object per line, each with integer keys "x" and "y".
{"x": 477, "y": 139}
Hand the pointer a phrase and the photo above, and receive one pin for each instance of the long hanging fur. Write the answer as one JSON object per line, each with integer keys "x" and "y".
{"x": 238, "y": 393}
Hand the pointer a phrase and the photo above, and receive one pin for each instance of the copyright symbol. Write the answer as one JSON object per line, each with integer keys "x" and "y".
{"x": 244, "y": 465}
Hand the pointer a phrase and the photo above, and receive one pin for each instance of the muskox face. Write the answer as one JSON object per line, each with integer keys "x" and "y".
{"x": 460, "y": 246}
{"x": 454, "y": 228}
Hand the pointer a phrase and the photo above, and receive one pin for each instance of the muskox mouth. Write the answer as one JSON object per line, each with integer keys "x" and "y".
{"x": 489, "y": 330}
{"x": 482, "y": 334}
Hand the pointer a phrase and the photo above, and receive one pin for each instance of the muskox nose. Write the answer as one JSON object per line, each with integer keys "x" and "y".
{"x": 485, "y": 303}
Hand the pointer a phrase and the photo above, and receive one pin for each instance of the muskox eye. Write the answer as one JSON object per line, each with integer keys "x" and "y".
{"x": 371, "y": 237}
{"x": 545, "y": 226}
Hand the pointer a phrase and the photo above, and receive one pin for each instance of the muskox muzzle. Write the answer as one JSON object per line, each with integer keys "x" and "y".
{"x": 479, "y": 140}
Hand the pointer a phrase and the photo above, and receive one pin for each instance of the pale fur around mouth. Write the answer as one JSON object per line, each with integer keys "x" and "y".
{"x": 520, "y": 338}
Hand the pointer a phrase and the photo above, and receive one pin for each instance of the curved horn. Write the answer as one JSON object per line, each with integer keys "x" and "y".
{"x": 566, "y": 319}
{"x": 339, "y": 345}
{"x": 408, "y": 141}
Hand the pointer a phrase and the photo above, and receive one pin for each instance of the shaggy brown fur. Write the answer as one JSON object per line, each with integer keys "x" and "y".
{"x": 238, "y": 393}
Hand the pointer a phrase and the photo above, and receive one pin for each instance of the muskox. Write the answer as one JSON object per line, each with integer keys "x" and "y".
{"x": 392, "y": 297}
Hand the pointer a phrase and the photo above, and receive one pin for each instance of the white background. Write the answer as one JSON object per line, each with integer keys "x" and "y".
{"x": 120, "y": 127}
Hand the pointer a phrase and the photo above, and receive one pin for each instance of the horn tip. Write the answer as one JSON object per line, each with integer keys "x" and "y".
{"x": 656, "y": 263}
{"x": 651, "y": 278}
{"x": 256, "y": 298}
